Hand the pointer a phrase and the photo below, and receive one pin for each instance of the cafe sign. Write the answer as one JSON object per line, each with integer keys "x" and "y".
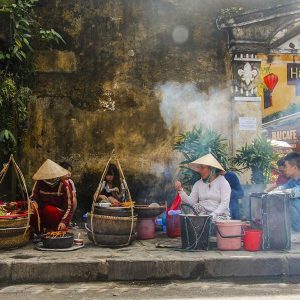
{"x": 289, "y": 135}
{"x": 285, "y": 135}
{"x": 293, "y": 76}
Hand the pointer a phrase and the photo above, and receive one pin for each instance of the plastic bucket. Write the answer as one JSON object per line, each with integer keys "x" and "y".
{"x": 145, "y": 228}
{"x": 173, "y": 226}
{"x": 252, "y": 239}
{"x": 195, "y": 231}
{"x": 229, "y": 235}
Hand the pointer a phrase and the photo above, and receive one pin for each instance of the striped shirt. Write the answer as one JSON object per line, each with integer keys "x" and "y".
{"x": 59, "y": 196}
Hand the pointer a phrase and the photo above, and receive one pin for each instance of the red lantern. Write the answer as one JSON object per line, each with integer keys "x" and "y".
{"x": 271, "y": 81}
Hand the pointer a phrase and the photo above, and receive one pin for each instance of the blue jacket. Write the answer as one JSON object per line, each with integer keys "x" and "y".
{"x": 237, "y": 191}
{"x": 294, "y": 186}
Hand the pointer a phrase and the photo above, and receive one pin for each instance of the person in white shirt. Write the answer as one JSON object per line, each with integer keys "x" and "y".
{"x": 211, "y": 194}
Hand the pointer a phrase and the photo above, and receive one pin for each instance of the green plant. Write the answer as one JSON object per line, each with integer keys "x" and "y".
{"x": 259, "y": 158}
{"x": 16, "y": 68}
{"x": 51, "y": 36}
{"x": 14, "y": 102}
{"x": 196, "y": 143}
{"x": 25, "y": 28}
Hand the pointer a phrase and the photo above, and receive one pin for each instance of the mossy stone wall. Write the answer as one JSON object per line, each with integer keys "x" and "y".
{"x": 99, "y": 91}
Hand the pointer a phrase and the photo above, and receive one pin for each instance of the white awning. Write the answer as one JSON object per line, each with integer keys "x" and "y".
{"x": 281, "y": 144}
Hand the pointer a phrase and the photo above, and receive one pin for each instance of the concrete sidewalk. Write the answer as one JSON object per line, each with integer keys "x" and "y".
{"x": 141, "y": 261}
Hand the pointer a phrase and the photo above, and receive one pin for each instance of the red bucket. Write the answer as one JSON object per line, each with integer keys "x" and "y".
{"x": 252, "y": 239}
{"x": 145, "y": 228}
{"x": 173, "y": 226}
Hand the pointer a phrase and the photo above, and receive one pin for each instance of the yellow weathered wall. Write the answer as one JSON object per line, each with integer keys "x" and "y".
{"x": 283, "y": 94}
{"x": 99, "y": 91}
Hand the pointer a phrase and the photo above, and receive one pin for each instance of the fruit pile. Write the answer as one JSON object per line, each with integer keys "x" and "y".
{"x": 128, "y": 203}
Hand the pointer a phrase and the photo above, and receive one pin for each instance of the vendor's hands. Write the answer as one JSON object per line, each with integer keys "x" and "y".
{"x": 115, "y": 189}
{"x": 178, "y": 186}
{"x": 270, "y": 188}
{"x": 280, "y": 189}
{"x": 272, "y": 192}
{"x": 101, "y": 197}
{"x": 213, "y": 216}
{"x": 33, "y": 206}
{"x": 62, "y": 227}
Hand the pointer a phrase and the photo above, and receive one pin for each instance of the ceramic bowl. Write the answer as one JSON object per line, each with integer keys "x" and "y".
{"x": 78, "y": 241}
{"x": 104, "y": 204}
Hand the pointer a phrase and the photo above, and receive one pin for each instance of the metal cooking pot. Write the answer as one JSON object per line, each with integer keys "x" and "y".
{"x": 58, "y": 242}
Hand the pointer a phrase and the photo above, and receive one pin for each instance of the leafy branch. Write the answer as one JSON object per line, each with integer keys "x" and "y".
{"x": 14, "y": 112}
{"x": 24, "y": 27}
{"x": 16, "y": 67}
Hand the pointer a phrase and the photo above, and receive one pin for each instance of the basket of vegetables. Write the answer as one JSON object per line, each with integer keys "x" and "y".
{"x": 10, "y": 217}
{"x": 14, "y": 215}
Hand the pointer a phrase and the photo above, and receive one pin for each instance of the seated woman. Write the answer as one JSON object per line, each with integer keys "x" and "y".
{"x": 52, "y": 198}
{"x": 211, "y": 194}
{"x": 112, "y": 190}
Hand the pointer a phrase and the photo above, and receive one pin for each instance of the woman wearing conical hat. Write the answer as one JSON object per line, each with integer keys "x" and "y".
{"x": 53, "y": 197}
{"x": 211, "y": 194}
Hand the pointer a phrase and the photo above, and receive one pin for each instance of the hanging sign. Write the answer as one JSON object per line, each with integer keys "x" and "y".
{"x": 293, "y": 76}
{"x": 285, "y": 135}
{"x": 247, "y": 123}
{"x": 291, "y": 135}
{"x": 293, "y": 73}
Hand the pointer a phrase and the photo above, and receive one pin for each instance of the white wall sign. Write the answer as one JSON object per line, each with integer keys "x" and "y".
{"x": 247, "y": 123}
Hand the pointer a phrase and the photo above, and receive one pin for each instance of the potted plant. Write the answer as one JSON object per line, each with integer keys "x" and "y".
{"x": 259, "y": 157}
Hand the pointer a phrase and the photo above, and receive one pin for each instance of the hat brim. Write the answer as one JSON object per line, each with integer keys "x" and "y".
{"x": 206, "y": 160}
{"x": 50, "y": 170}
{"x": 195, "y": 167}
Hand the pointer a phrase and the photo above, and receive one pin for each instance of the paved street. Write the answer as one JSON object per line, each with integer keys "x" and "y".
{"x": 274, "y": 289}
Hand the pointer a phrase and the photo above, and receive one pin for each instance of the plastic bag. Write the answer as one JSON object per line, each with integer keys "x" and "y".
{"x": 173, "y": 219}
{"x": 175, "y": 204}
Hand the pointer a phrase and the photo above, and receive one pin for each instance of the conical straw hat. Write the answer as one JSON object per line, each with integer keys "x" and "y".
{"x": 207, "y": 160}
{"x": 49, "y": 170}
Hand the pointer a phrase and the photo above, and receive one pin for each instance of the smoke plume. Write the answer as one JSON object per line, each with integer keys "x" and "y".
{"x": 185, "y": 106}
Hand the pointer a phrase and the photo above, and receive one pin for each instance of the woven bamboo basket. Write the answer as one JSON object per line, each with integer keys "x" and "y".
{"x": 15, "y": 230}
{"x": 107, "y": 240}
{"x": 14, "y": 241}
{"x": 103, "y": 227}
{"x": 8, "y": 232}
{"x": 112, "y": 225}
{"x": 13, "y": 223}
{"x": 113, "y": 211}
